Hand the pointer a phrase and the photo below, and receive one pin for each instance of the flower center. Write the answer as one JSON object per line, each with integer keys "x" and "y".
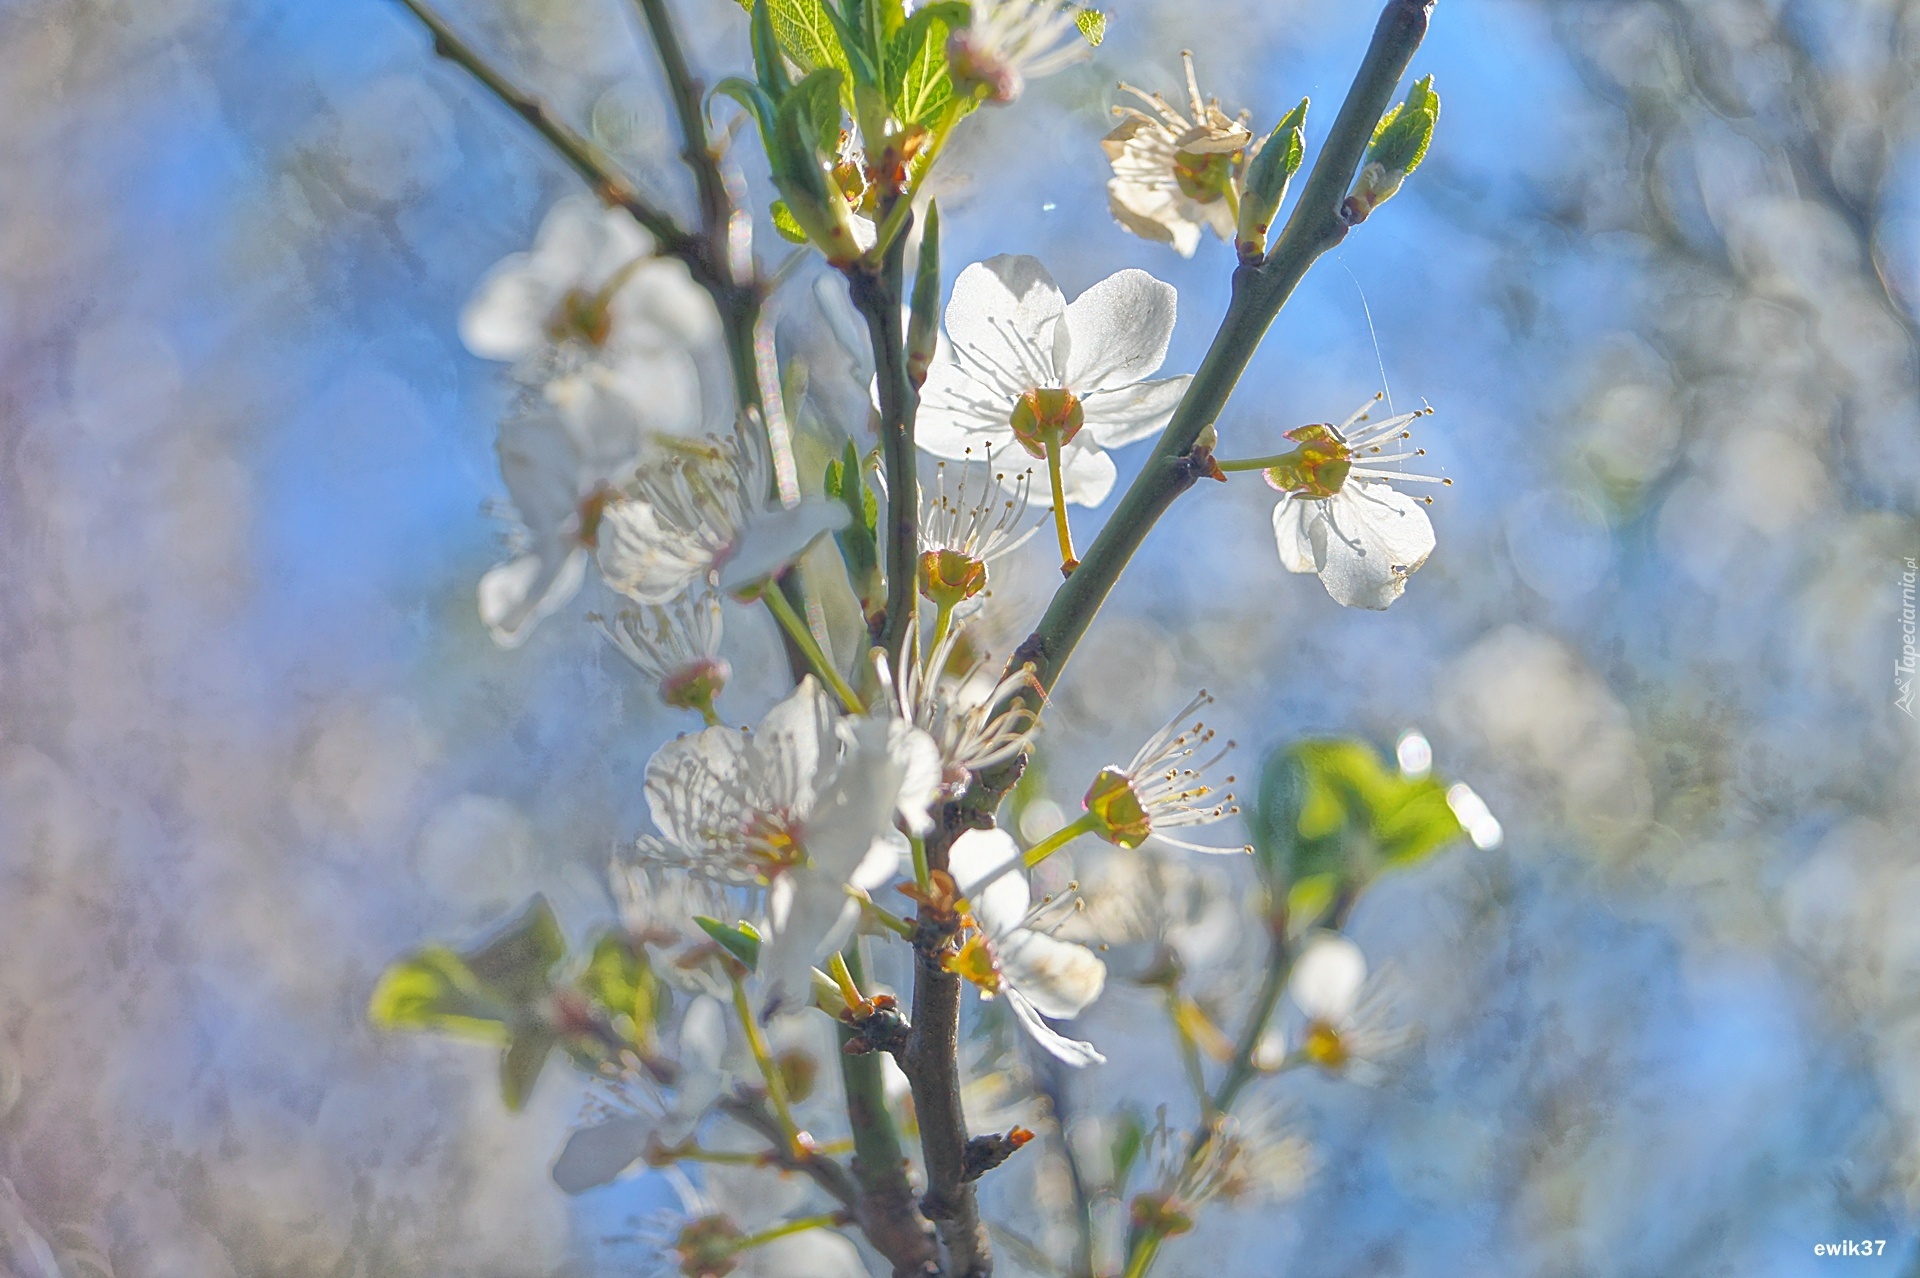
{"x": 593, "y": 507}
{"x": 583, "y": 314}
{"x": 1204, "y": 176}
{"x": 950, "y": 577}
{"x": 1046, "y": 414}
{"x": 694, "y": 686}
{"x": 1317, "y": 469}
{"x": 1323, "y": 1046}
{"x": 1117, "y": 810}
{"x": 709, "y": 1246}
{"x": 975, "y": 962}
{"x": 773, "y": 841}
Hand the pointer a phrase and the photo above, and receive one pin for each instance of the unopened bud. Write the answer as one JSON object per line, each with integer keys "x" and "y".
{"x": 1267, "y": 178}
{"x": 1399, "y": 143}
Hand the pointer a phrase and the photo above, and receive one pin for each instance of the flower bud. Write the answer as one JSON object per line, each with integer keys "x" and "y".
{"x": 694, "y": 687}
{"x": 1267, "y": 178}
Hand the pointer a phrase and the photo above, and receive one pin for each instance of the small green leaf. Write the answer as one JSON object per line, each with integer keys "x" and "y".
{"x": 518, "y": 963}
{"x": 1093, "y": 26}
{"x": 918, "y": 85}
{"x": 434, "y": 990}
{"x": 805, "y": 30}
{"x": 740, "y": 940}
{"x": 923, "y": 318}
{"x": 620, "y": 979}
{"x": 784, "y": 222}
{"x": 521, "y": 1063}
{"x": 768, "y": 62}
{"x": 1129, "y": 1139}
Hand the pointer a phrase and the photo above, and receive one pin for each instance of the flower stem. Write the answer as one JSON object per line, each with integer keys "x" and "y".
{"x": 1253, "y": 463}
{"x": 881, "y": 915}
{"x": 786, "y": 1230}
{"x": 1189, "y": 1051}
{"x": 1086, "y": 823}
{"x": 942, "y": 622}
{"x": 1143, "y": 1254}
{"x": 802, "y": 636}
{"x": 1068, "y": 561}
{"x": 776, "y": 1085}
{"x": 922, "y": 875}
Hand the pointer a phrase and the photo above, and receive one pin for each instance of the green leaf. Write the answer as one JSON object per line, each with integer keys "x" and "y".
{"x": 740, "y": 940}
{"x": 1093, "y": 26}
{"x": 754, "y": 99}
{"x": 786, "y": 224}
{"x": 918, "y": 85}
{"x": 1401, "y": 138}
{"x": 1129, "y": 1140}
{"x": 923, "y": 315}
{"x": 1331, "y": 815}
{"x": 768, "y": 63}
{"x": 434, "y": 990}
{"x": 521, "y": 1063}
{"x": 518, "y": 963}
{"x": 620, "y": 979}
{"x": 805, "y": 31}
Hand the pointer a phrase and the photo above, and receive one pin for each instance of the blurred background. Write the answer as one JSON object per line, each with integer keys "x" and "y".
{"x": 1658, "y": 276}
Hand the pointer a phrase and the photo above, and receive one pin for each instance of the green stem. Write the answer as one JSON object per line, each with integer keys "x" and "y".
{"x": 1254, "y": 463}
{"x": 942, "y": 622}
{"x": 1085, "y": 823}
{"x": 1143, "y": 1255}
{"x": 876, "y": 295}
{"x": 922, "y": 873}
{"x": 886, "y": 1208}
{"x": 1189, "y": 1052}
{"x": 769, "y": 1070}
{"x": 1241, "y": 1070}
{"x": 1061, "y": 527}
{"x": 881, "y": 915}
{"x": 787, "y": 1230}
{"x": 802, "y": 636}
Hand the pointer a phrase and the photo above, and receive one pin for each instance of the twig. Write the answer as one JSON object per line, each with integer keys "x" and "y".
{"x": 886, "y": 1210}
{"x": 754, "y": 1115}
{"x": 599, "y": 170}
{"x": 877, "y": 295}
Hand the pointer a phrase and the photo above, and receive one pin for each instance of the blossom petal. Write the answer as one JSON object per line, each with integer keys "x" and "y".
{"x": 818, "y": 918}
{"x": 643, "y": 557}
{"x": 1071, "y": 1050}
{"x": 1121, "y": 416}
{"x": 1326, "y": 979}
{"x": 685, "y": 777}
{"x": 1290, "y": 519}
{"x": 584, "y": 242}
{"x": 595, "y": 1156}
{"x": 799, "y": 734}
{"x": 1002, "y": 318}
{"x": 520, "y": 594}
{"x": 775, "y": 538}
{"x": 662, "y": 297}
{"x": 507, "y": 316}
{"x": 1058, "y": 977}
{"x": 1119, "y": 331}
{"x": 959, "y": 415}
{"x": 1369, "y": 539}
{"x": 986, "y": 866}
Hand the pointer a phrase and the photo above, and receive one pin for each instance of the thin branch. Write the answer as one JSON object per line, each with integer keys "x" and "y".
{"x": 886, "y": 1212}
{"x": 753, "y": 1114}
{"x": 592, "y": 164}
{"x": 878, "y": 297}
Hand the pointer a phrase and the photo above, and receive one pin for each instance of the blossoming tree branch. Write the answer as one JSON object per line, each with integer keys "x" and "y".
{"x": 865, "y": 852}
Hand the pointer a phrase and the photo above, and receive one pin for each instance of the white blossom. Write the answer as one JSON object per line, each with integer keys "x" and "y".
{"x": 649, "y": 1115}
{"x": 1350, "y": 1021}
{"x": 1174, "y": 172}
{"x": 677, "y": 646}
{"x": 1338, "y": 514}
{"x": 1008, "y": 42}
{"x": 962, "y": 713}
{"x": 705, "y": 515}
{"x": 1019, "y": 360}
{"x": 803, "y": 807}
{"x": 1007, "y": 957}
{"x": 559, "y": 472}
{"x": 598, "y": 322}
{"x": 1162, "y": 789}
{"x": 964, "y": 530}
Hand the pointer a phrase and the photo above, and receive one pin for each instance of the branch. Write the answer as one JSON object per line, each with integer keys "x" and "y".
{"x": 877, "y": 296}
{"x": 754, "y": 1115}
{"x": 1259, "y": 291}
{"x": 886, "y": 1209}
{"x": 592, "y": 164}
